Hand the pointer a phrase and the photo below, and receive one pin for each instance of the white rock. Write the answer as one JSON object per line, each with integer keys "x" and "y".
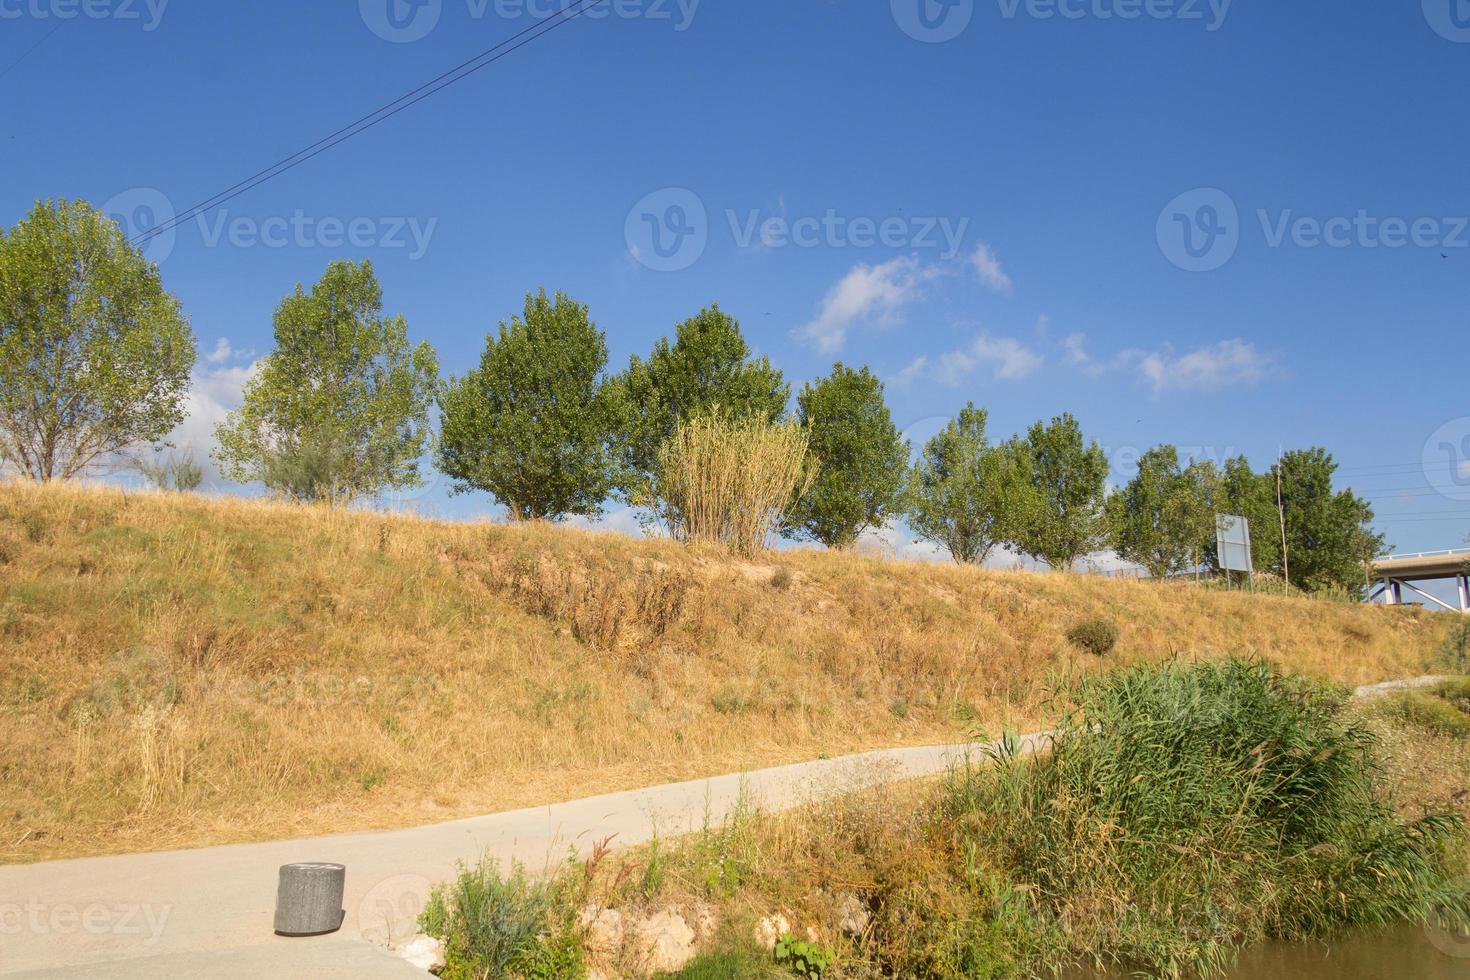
{"x": 853, "y": 917}
{"x": 770, "y": 929}
{"x": 665, "y": 940}
{"x": 603, "y": 930}
{"x": 424, "y": 952}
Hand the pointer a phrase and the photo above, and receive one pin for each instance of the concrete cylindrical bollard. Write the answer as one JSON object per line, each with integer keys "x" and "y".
{"x": 309, "y": 899}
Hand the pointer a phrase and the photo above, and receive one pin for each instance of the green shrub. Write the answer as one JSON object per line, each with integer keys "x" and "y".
{"x": 1428, "y": 711}
{"x": 496, "y": 927}
{"x": 1096, "y": 636}
{"x": 721, "y": 857}
{"x": 803, "y": 958}
{"x": 1186, "y": 811}
{"x": 728, "y": 701}
{"x": 1454, "y": 652}
{"x": 1456, "y": 691}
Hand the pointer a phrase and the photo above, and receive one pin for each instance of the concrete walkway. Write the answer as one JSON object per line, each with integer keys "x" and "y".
{"x": 207, "y": 913}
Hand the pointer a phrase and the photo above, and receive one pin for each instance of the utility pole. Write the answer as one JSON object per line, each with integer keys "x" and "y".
{"x": 1281, "y": 512}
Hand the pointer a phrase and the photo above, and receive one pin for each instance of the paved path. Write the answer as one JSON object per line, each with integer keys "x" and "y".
{"x": 207, "y": 913}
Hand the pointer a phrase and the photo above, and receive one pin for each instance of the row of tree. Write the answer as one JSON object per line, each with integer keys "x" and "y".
{"x": 95, "y": 358}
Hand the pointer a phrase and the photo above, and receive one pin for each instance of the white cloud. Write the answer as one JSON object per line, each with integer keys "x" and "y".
{"x": 911, "y": 373}
{"x": 987, "y": 267}
{"x": 213, "y": 393}
{"x": 897, "y": 542}
{"x": 223, "y": 352}
{"x": 1226, "y": 364}
{"x": 1074, "y": 352}
{"x": 1007, "y": 359}
{"x": 868, "y": 293}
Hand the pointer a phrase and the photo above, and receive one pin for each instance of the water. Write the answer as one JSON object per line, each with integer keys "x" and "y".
{"x": 1399, "y": 954}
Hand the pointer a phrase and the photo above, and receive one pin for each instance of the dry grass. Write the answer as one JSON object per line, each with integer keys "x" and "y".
{"x": 728, "y": 481}
{"x": 178, "y": 671}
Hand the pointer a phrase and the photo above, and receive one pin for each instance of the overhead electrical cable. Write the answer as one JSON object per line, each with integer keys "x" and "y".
{"x": 484, "y": 59}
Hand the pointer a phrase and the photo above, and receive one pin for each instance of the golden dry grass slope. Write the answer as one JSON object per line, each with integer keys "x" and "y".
{"x": 178, "y": 670}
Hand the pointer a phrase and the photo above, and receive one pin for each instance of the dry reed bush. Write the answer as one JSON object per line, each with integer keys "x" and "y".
{"x": 730, "y": 481}
{"x": 315, "y": 671}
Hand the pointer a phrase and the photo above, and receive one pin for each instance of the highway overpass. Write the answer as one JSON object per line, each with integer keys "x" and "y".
{"x": 1397, "y": 574}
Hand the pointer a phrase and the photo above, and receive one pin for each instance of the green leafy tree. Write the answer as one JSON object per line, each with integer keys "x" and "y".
{"x": 1158, "y": 520}
{"x": 95, "y": 354}
{"x": 963, "y": 493}
{"x": 1204, "y": 485}
{"x": 1246, "y": 493}
{"x": 534, "y": 424}
{"x": 339, "y": 410}
{"x": 707, "y": 366}
{"x": 862, "y": 458}
{"x": 1329, "y": 544}
{"x": 1062, "y": 516}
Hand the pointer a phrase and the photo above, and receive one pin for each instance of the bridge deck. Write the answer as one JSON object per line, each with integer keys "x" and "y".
{"x": 1443, "y": 564}
{"x": 1398, "y": 573}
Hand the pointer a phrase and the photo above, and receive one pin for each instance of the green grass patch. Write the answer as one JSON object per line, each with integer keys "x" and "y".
{"x": 1431, "y": 711}
{"x": 498, "y": 926}
{"x": 1187, "y": 811}
{"x": 732, "y": 964}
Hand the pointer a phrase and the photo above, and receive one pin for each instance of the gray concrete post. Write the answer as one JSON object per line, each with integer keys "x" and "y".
{"x": 309, "y": 899}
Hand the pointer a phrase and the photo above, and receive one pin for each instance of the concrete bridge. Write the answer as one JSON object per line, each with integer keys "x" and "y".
{"x": 1398, "y": 573}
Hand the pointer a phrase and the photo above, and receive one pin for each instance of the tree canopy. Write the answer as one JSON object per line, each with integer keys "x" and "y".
{"x": 963, "y": 492}
{"x": 534, "y": 424}
{"x": 1328, "y": 541}
{"x": 1162, "y": 517}
{"x": 860, "y": 455}
{"x": 707, "y": 366}
{"x": 1061, "y": 517}
{"x": 339, "y": 409}
{"x": 95, "y": 355}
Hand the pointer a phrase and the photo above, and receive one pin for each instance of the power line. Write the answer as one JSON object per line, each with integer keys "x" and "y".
{"x": 435, "y": 85}
{"x": 1391, "y": 497}
{"x": 31, "y": 50}
{"x": 1407, "y": 467}
{"x": 1386, "y": 491}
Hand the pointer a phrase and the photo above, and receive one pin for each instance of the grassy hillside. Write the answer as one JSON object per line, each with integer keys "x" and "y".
{"x": 177, "y": 670}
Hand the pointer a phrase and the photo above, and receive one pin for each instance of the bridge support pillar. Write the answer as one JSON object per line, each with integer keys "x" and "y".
{"x": 1465, "y": 593}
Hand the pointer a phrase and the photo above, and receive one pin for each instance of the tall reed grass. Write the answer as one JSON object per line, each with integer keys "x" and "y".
{"x": 730, "y": 481}
{"x": 1185, "y": 811}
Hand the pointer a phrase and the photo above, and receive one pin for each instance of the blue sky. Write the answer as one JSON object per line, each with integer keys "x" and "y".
{"x": 1216, "y": 225}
